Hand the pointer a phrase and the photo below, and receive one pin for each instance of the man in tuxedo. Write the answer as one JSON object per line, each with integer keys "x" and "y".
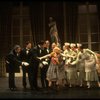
{"x": 37, "y": 51}
{"x": 44, "y": 63}
{"x": 47, "y": 50}
{"x": 26, "y": 56}
{"x": 13, "y": 61}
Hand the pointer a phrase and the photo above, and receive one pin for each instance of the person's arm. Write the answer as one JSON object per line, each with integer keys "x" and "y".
{"x": 43, "y": 57}
{"x": 93, "y": 54}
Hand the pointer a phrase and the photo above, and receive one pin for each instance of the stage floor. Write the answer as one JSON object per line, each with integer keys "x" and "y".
{"x": 65, "y": 93}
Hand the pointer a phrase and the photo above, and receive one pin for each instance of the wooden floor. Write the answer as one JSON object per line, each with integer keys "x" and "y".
{"x": 65, "y": 93}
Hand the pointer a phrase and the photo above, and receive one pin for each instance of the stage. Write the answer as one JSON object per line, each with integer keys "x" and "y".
{"x": 65, "y": 93}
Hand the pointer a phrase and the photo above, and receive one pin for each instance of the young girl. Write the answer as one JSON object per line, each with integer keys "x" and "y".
{"x": 53, "y": 73}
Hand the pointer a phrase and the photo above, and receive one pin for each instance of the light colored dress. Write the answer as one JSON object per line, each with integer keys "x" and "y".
{"x": 90, "y": 68}
{"x": 52, "y": 72}
{"x": 81, "y": 66}
{"x": 72, "y": 76}
{"x": 61, "y": 69}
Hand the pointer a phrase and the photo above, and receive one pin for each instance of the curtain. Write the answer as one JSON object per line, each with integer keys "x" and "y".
{"x": 71, "y": 17}
{"x": 36, "y": 16}
{"x": 5, "y": 26}
{"x": 51, "y": 9}
{"x": 98, "y": 11}
{"x": 55, "y": 10}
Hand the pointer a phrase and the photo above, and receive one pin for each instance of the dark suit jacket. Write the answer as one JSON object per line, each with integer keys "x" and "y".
{"x": 14, "y": 62}
{"x": 26, "y": 57}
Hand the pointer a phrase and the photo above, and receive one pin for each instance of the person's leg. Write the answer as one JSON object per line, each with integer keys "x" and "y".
{"x": 30, "y": 78}
{"x": 88, "y": 84}
{"x": 24, "y": 76}
{"x": 45, "y": 73}
{"x": 42, "y": 75}
{"x": 11, "y": 80}
{"x": 35, "y": 77}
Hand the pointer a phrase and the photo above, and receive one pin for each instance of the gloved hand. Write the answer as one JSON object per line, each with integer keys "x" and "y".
{"x": 25, "y": 63}
{"x": 39, "y": 58}
{"x": 7, "y": 62}
{"x": 64, "y": 58}
{"x": 45, "y": 63}
{"x": 40, "y": 65}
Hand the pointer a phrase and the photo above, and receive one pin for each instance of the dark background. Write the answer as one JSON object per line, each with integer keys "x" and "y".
{"x": 35, "y": 19}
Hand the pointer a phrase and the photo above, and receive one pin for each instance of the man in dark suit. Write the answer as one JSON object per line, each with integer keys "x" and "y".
{"x": 26, "y": 56}
{"x": 47, "y": 50}
{"x": 37, "y": 51}
{"x": 12, "y": 65}
{"x": 44, "y": 63}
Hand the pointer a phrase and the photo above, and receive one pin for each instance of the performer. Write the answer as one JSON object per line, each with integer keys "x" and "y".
{"x": 80, "y": 65}
{"x": 71, "y": 66}
{"x": 26, "y": 55}
{"x": 88, "y": 59}
{"x": 43, "y": 64}
{"x": 52, "y": 72}
{"x": 13, "y": 62}
{"x": 90, "y": 69}
{"x": 47, "y": 50}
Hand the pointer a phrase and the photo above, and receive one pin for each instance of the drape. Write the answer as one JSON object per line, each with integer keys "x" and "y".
{"x": 72, "y": 22}
{"x": 55, "y": 10}
{"x": 36, "y": 16}
{"x": 5, "y": 26}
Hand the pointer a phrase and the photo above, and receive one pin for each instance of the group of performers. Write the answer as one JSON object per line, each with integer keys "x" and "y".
{"x": 70, "y": 64}
{"x": 73, "y": 65}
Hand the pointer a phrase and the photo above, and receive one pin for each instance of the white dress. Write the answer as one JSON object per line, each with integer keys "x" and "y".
{"x": 90, "y": 69}
{"x": 72, "y": 76}
{"x": 81, "y": 66}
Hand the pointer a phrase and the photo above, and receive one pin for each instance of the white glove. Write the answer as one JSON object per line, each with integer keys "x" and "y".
{"x": 64, "y": 58}
{"x": 25, "y": 63}
{"x": 46, "y": 59}
{"x": 40, "y": 65}
{"x": 39, "y": 58}
{"x": 7, "y": 62}
{"x": 45, "y": 63}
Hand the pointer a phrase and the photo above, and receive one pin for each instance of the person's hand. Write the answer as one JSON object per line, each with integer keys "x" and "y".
{"x": 25, "y": 63}
{"x": 39, "y": 58}
{"x": 40, "y": 65}
{"x": 45, "y": 63}
{"x": 7, "y": 62}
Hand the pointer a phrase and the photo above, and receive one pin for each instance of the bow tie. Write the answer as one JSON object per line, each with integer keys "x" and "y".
{"x": 27, "y": 49}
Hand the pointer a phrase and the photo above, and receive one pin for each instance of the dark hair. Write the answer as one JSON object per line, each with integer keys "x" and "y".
{"x": 28, "y": 42}
{"x": 41, "y": 42}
